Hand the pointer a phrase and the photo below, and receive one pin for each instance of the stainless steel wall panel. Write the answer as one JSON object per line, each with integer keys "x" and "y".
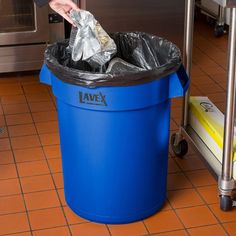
{"x": 21, "y": 58}
{"x": 162, "y": 18}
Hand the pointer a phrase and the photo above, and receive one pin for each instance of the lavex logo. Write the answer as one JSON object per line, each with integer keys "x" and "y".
{"x": 94, "y": 99}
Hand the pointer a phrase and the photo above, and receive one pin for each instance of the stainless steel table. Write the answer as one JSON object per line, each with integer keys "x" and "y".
{"x": 226, "y": 182}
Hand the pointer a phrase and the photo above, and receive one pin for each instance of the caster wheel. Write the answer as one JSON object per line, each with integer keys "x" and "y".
{"x": 219, "y": 30}
{"x": 181, "y": 149}
{"x": 226, "y": 203}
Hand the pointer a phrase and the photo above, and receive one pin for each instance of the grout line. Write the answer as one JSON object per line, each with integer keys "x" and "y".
{"x": 27, "y": 148}
{"x": 34, "y": 134}
{"x": 143, "y": 221}
{"x": 38, "y": 191}
{"x": 174, "y": 210}
{"x": 28, "y": 176}
{"x": 108, "y": 230}
{"x": 16, "y": 233}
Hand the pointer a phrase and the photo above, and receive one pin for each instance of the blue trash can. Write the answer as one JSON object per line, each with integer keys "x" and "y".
{"x": 114, "y": 145}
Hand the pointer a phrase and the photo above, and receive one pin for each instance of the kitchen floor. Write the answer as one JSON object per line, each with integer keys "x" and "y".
{"x": 31, "y": 186}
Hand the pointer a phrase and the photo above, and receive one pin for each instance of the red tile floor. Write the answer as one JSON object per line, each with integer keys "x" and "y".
{"x": 31, "y": 186}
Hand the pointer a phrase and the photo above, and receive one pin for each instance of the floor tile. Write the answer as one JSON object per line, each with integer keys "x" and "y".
{"x": 196, "y": 216}
{"x": 13, "y": 99}
{"x": 6, "y": 157}
{"x": 176, "y": 112}
{"x": 163, "y": 222}
{"x": 38, "y": 97}
{"x": 29, "y": 154}
{"x": 25, "y": 142}
{"x": 178, "y": 181}
{"x": 3, "y": 132}
{"x": 15, "y": 108}
{"x": 55, "y": 165}
{"x": 22, "y": 234}
{"x": 184, "y": 198}
{"x": 19, "y": 119}
{"x": 37, "y": 183}
{"x": 32, "y": 168}
{"x": 2, "y": 121}
{"x": 10, "y": 89}
{"x": 189, "y": 163}
{"x": 58, "y": 178}
{"x": 223, "y": 216}
{"x": 207, "y": 231}
{"x": 4, "y": 144}
{"x": 9, "y": 187}
{"x": 196, "y": 70}
{"x": 230, "y": 228}
{"x": 8, "y": 171}
{"x": 219, "y": 78}
{"x": 215, "y": 70}
{"x": 47, "y": 127}
{"x": 72, "y": 218}
{"x": 166, "y": 206}
{"x": 202, "y": 81}
{"x": 214, "y": 88}
{"x": 174, "y": 233}
{"x": 13, "y": 223}
{"x": 47, "y": 218}
{"x": 35, "y": 88}
{"x": 201, "y": 178}
{"x": 133, "y": 229}
{"x": 221, "y": 106}
{"x": 177, "y": 102}
{"x": 49, "y": 139}
{"x": 29, "y": 79}
{"x": 173, "y": 125}
{"x": 172, "y": 166}
{"x": 44, "y": 116}
{"x": 89, "y": 229}
{"x": 209, "y": 194}
{"x": 52, "y": 151}
{"x": 1, "y": 109}
{"x": 11, "y": 204}
{"x": 21, "y": 130}
{"x": 41, "y": 200}
{"x": 217, "y": 97}
{"x": 59, "y": 231}
{"x": 41, "y": 106}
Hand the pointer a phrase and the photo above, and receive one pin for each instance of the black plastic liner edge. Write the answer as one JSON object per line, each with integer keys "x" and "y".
{"x": 94, "y": 79}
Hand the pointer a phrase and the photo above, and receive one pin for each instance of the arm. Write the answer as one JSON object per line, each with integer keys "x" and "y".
{"x": 62, "y": 7}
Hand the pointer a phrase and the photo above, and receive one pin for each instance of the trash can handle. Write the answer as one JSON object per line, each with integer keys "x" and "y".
{"x": 178, "y": 83}
{"x": 45, "y": 75}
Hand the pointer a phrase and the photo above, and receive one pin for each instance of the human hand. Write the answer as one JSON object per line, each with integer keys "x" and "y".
{"x": 63, "y": 8}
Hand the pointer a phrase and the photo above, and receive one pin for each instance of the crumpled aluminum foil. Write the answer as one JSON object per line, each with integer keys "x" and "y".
{"x": 88, "y": 41}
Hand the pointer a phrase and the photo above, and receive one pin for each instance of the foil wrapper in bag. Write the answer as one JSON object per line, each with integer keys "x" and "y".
{"x": 119, "y": 66}
{"x": 88, "y": 41}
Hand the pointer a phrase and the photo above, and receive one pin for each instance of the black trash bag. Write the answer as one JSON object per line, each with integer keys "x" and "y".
{"x": 156, "y": 56}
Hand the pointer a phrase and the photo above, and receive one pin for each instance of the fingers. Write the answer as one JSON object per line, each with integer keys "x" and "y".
{"x": 63, "y": 14}
{"x": 63, "y": 8}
